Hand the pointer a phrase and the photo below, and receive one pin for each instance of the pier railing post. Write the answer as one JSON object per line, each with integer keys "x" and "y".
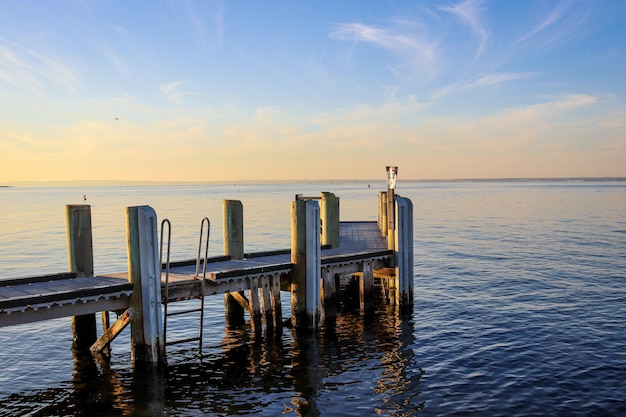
{"x": 144, "y": 271}
{"x": 306, "y": 259}
{"x": 233, "y": 247}
{"x": 80, "y": 260}
{"x": 392, "y": 175}
{"x": 329, "y": 213}
{"x": 404, "y": 252}
{"x": 391, "y": 219}
{"x": 382, "y": 212}
{"x": 329, "y": 295}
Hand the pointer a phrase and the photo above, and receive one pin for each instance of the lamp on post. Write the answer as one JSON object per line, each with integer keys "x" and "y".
{"x": 392, "y": 177}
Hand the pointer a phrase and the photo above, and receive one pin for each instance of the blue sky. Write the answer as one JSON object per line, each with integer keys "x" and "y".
{"x": 248, "y": 90}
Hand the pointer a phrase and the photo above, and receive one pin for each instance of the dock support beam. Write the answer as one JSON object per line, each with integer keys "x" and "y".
{"x": 306, "y": 259}
{"x": 382, "y": 212}
{"x": 329, "y": 213}
{"x": 144, "y": 271}
{"x": 80, "y": 261}
{"x": 366, "y": 287}
{"x": 391, "y": 219}
{"x": 329, "y": 295}
{"x": 233, "y": 247}
{"x": 404, "y": 252}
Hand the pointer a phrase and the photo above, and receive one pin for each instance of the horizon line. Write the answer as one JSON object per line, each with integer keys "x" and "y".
{"x": 299, "y": 181}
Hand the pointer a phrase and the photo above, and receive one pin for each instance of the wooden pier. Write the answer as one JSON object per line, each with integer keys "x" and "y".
{"x": 323, "y": 250}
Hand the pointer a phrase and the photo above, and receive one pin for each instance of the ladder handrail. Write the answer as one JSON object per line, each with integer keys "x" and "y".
{"x": 202, "y": 277}
{"x": 204, "y": 266}
{"x": 206, "y": 251}
{"x": 167, "y": 273}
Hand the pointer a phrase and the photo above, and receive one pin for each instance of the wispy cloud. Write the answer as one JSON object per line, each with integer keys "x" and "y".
{"x": 515, "y": 129}
{"x": 178, "y": 92}
{"x": 486, "y": 81}
{"x": 206, "y": 19}
{"x": 413, "y": 48}
{"x": 469, "y": 12}
{"x": 172, "y": 91}
{"x": 551, "y": 19}
{"x": 119, "y": 29}
{"x": 26, "y": 67}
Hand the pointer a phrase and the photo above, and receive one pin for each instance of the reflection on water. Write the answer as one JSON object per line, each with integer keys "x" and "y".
{"x": 329, "y": 372}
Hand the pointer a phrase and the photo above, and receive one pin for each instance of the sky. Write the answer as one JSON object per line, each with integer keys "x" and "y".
{"x": 201, "y": 91}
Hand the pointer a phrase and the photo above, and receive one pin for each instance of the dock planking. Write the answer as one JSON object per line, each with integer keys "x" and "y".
{"x": 26, "y": 300}
{"x": 46, "y": 294}
{"x": 311, "y": 270}
{"x": 359, "y": 242}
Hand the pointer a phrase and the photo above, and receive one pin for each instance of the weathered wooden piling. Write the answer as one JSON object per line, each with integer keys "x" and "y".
{"x": 80, "y": 261}
{"x": 306, "y": 260}
{"x": 330, "y": 237}
{"x": 329, "y": 214}
{"x": 233, "y": 247}
{"x": 144, "y": 272}
{"x": 233, "y": 228}
{"x": 395, "y": 220}
{"x": 382, "y": 213}
{"x": 391, "y": 219}
{"x": 329, "y": 294}
{"x": 392, "y": 173}
{"x": 404, "y": 252}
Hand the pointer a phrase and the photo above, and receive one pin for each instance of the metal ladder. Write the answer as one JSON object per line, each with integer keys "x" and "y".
{"x": 202, "y": 277}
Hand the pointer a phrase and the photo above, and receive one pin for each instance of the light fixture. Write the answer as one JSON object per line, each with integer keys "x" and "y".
{"x": 392, "y": 176}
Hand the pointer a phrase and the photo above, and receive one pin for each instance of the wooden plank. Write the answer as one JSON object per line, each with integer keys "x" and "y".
{"x": 385, "y": 273}
{"x": 54, "y": 311}
{"x": 266, "y": 301}
{"x": 355, "y": 256}
{"x": 266, "y": 254}
{"x": 241, "y": 299}
{"x": 14, "y": 292}
{"x": 329, "y": 294}
{"x": 56, "y": 294}
{"x": 111, "y": 333}
{"x": 31, "y": 280}
{"x": 276, "y": 303}
{"x": 254, "y": 270}
{"x": 192, "y": 262}
{"x": 255, "y": 306}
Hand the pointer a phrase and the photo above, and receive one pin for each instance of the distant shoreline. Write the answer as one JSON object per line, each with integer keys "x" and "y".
{"x": 105, "y": 183}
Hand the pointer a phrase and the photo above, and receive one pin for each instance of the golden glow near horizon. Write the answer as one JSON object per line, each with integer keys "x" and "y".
{"x": 207, "y": 91}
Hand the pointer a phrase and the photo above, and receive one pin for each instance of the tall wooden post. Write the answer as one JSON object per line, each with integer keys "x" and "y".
{"x": 382, "y": 212}
{"x": 329, "y": 295}
{"x": 80, "y": 261}
{"x": 329, "y": 213}
{"x": 366, "y": 287}
{"x": 392, "y": 174}
{"x": 306, "y": 259}
{"x": 404, "y": 252}
{"x": 391, "y": 223}
{"x": 233, "y": 247}
{"x": 144, "y": 271}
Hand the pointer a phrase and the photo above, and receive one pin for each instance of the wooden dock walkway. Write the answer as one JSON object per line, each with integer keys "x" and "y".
{"x": 310, "y": 270}
{"x": 26, "y": 300}
{"x": 63, "y": 295}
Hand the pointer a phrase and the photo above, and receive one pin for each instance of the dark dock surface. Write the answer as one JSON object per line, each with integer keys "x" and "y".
{"x": 40, "y": 298}
{"x": 26, "y": 300}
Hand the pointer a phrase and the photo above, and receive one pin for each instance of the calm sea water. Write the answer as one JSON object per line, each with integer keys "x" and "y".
{"x": 520, "y": 305}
